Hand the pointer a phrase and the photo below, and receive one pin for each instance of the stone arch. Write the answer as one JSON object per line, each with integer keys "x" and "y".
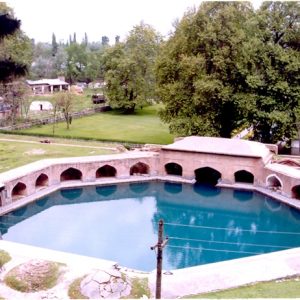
{"x": 243, "y": 176}
{"x": 71, "y": 174}
{"x": 42, "y": 180}
{"x": 207, "y": 175}
{"x": 106, "y": 171}
{"x": 173, "y": 169}
{"x": 139, "y": 168}
{"x": 19, "y": 190}
{"x": 296, "y": 192}
{"x": 274, "y": 182}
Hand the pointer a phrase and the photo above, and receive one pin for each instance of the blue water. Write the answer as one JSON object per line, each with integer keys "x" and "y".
{"x": 119, "y": 223}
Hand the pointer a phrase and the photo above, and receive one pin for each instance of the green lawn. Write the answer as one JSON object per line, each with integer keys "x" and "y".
{"x": 15, "y": 154}
{"x": 286, "y": 288}
{"x": 142, "y": 127}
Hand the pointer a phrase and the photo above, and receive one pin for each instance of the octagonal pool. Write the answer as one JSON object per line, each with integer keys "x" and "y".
{"x": 119, "y": 223}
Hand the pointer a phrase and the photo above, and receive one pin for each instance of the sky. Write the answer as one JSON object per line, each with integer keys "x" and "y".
{"x": 97, "y": 17}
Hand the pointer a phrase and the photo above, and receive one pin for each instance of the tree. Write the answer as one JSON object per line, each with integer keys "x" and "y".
{"x": 74, "y": 38}
{"x": 15, "y": 47}
{"x": 129, "y": 69}
{"x": 226, "y": 67}
{"x": 105, "y": 40}
{"x": 274, "y": 71}
{"x": 85, "y": 39}
{"x": 15, "y": 56}
{"x": 54, "y": 45}
{"x": 64, "y": 102}
{"x": 199, "y": 74}
{"x": 76, "y": 62}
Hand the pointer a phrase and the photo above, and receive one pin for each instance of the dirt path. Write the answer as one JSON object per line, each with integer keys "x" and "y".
{"x": 117, "y": 148}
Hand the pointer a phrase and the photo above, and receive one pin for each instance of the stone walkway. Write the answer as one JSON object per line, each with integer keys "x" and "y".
{"x": 177, "y": 283}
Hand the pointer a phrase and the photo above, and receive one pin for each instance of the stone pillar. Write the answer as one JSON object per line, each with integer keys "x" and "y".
{"x": 51, "y": 89}
{"x": 60, "y": 88}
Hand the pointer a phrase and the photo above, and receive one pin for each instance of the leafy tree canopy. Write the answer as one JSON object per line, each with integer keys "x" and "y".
{"x": 15, "y": 47}
{"x": 129, "y": 69}
{"x": 227, "y": 66}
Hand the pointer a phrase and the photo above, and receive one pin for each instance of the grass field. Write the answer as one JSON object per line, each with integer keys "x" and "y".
{"x": 285, "y": 288}
{"x": 142, "y": 127}
{"x": 15, "y": 154}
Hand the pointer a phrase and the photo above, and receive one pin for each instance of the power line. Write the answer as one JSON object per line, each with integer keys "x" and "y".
{"x": 231, "y": 229}
{"x": 216, "y": 250}
{"x": 229, "y": 243}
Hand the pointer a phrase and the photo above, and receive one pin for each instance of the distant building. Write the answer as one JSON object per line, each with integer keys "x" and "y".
{"x": 46, "y": 86}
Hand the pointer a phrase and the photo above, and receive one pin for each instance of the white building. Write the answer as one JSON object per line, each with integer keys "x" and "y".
{"x": 46, "y": 86}
{"x": 40, "y": 106}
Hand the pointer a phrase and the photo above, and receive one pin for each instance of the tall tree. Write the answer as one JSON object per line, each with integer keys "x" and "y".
{"x": 74, "y": 38}
{"x": 129, "y": 69}
{"x": 85, "y": 39}
{"x": 104, "y": 40}
{"x": 54, "y": 45}
{"x": 198, "y": 72}
{"x": 117, "y": 39}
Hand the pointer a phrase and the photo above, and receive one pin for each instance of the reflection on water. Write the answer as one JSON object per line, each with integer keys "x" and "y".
{"x": 106, "y": 190}
{"x": 243, "y": 195}
{"x": 172, "y": 187}
{"x": 71, "y": 194}
{"x": 139, "y": 187}
{"x": 206, "y": 190}
{"x": 204, "y": 224}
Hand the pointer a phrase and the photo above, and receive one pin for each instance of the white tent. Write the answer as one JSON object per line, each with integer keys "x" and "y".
{"x": 40, "y": 106}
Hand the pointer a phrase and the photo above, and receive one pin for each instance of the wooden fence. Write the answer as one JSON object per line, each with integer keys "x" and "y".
{"x": 58, "y": 118}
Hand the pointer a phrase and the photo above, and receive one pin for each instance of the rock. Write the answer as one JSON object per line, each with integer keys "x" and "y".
{"x": 105, "y": 284}
{"x": 101, "y": 277}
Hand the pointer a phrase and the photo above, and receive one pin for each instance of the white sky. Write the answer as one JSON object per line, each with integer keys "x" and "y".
{"x": 97, "y": 17}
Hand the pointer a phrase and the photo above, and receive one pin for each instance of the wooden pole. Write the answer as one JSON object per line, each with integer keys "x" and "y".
{"x": 159, "y": 258}
{"x": 160, "y": 245}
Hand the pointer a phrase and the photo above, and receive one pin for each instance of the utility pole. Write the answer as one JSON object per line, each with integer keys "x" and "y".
{"x": 160, "y": 245}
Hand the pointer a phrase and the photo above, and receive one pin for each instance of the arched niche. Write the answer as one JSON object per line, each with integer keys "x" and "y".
{"x": 19, "y": 190}
{"x": 296, "y": 192}
{"x": 42, "y": 180}
{"x": 106, "y": 171}
{"x": 243, "y": 176}
{"x": 71, "y": 174}
{"x": 139, "y": 168}
{"x": 273, "y": 182}
{"x": 173, "y": 169}
{"x": 207, "y": 175}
